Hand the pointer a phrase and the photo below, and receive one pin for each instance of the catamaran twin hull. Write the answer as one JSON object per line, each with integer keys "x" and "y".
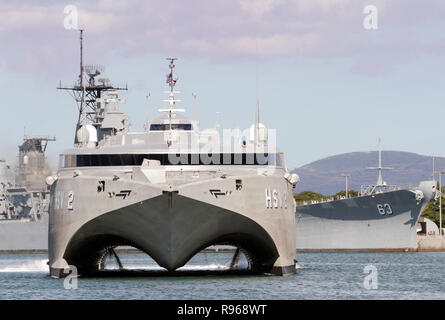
{"x": 379, "y": 222}
{"x": 92, "y": 211}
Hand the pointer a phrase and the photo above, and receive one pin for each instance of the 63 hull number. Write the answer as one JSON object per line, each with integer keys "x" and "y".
{"x": 384, "y": 209}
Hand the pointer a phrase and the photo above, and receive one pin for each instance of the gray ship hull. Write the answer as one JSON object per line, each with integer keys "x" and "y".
{"x": 166, "y": 227}
{"x": 380, "y": 222}
{"x": 170, "y": 226}
{"x": 19, "y": 236}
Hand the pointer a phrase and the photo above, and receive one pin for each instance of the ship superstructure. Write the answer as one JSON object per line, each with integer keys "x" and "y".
{"x": 170, "y": 191}
{"x": 24, "y": 199}
{"x": 381, "y": 185}
{"x": 6, "y": 182}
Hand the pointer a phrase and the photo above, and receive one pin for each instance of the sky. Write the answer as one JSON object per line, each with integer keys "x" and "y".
{"x": 327, "y": 82}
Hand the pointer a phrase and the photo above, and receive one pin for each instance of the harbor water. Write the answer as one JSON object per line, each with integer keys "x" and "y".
{"x": 414, "y": 275}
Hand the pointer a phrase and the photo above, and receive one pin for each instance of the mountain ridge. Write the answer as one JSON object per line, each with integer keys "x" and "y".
{"x": 324, "y": 175}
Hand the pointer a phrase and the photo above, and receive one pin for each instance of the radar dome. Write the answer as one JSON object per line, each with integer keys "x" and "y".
{"x": 87, "y": 135}
{"x": 262, "y": 132}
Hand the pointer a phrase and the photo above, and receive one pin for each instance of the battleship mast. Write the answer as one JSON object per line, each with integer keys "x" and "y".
{"x": 380, "y": 182}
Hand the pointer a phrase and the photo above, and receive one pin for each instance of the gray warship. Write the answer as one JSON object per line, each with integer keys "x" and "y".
{"x": 170, "y": 191}
{"x": 382, "y": 218}
{"x": 24, "y": 199}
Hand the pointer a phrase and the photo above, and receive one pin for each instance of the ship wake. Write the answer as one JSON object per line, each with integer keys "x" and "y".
{"x": 202, "y": 263}
{"x": 18, "y": 266}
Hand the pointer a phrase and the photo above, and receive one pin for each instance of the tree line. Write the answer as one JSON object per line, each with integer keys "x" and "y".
{"x": 307, "y": 196}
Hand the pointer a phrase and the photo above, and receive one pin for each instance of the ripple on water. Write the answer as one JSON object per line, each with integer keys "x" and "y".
{"x": 318, "y": 276}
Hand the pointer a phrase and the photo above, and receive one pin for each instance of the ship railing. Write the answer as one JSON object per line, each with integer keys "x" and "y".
{"x": 107, "y": 86}
{"x": 373, "y": 189}
{"x": 309, "y": 202}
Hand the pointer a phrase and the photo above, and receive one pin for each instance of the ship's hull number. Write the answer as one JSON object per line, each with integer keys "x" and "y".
{"x": 384, "y": 209}
{"x": 275, "y": 199}
{"x": 59, "y": 199}
{"x": 70, "y": 200}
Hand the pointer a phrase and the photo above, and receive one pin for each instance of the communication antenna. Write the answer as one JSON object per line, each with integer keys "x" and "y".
{"x": 257, "y": 92}
{"x": 171, "y": 101}
{"x": 217, "y": 125}
{"x": 104, "y": 81}
{"x": 82, "y": 86}
{"x": 257, "y": 111}
{"x": 92, "y": 72}
{"x": 88, "y": 95}
{"x": 380, "y": 181}
{"x": 148, "y": 113}
{"x": 194, "y": 108}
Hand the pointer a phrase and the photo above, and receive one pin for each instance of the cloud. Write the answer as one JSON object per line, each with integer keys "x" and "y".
{"x": 259, "y": 7}
{"x": 34, "y": 40}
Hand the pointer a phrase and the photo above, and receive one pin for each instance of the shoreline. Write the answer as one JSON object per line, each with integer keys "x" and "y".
{"x": 425, "y": 245}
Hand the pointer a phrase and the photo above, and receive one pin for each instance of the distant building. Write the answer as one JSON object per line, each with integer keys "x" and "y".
{"x": 31, "y": 171}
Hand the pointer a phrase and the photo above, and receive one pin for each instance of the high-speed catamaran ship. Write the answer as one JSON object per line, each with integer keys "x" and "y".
{"x": 382, "y": 218}
{"x": 170, "y": 191}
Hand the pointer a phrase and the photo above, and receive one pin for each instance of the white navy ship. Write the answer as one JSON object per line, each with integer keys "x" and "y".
{"x": 24, "y": 199}
{"x": 382, "y": 218}
{"x": 170, "y": 191}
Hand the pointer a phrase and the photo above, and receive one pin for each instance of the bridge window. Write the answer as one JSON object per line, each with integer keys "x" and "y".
{"x": 99, "y": 160}
{"x": 174, "y": 126}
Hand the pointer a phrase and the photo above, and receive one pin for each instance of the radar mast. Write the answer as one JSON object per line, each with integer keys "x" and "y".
{"x": 171, "y": 100}
{"x": 87, "y": 93}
